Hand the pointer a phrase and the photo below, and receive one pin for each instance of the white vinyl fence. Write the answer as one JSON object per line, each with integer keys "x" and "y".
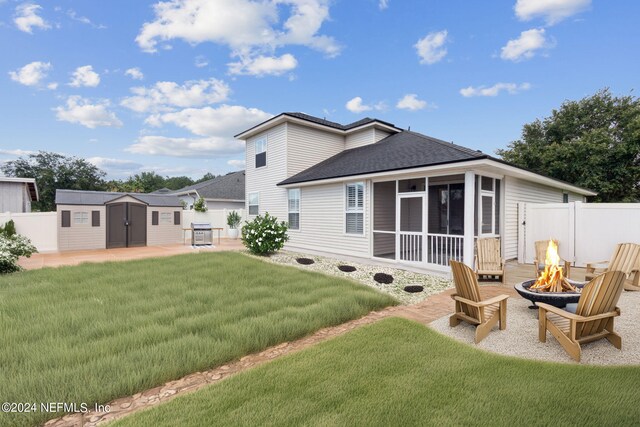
{"x": 586, "y": 232}
{"x": 39, "y": 227}
{"x": 217, "y": 218}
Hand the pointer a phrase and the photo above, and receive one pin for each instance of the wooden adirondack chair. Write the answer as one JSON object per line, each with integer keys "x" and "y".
{"x": 471, "y": 308}
{"x": 541, "y": 254}
{"x": 488, "y": 259}
{"x": 592, "y": 320}
{"x": 625, "y": 258}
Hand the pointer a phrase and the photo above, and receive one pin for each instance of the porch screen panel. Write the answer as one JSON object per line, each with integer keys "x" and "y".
{"x": 384, "y": 206}
{"x": 438, "y": 208}
{"x": 411, "y": 214}
{"x": 384, "y": 245}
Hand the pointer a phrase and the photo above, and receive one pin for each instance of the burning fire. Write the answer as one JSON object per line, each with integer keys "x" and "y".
{"x": 552, "y": 279}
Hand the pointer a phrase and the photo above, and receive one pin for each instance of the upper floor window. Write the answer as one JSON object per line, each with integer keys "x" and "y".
{"x": 294, "y": 209}
{"x": 254, "y": 201}
{"x": 261, "y": 152}
{"x": 354, "y": 208}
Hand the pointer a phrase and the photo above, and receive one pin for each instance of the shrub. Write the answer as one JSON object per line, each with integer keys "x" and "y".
{"x": 200, "y": 205}
{"x": 8, "y": 229}
{"x": 233, "y": 219}
{"x": 264, "y": 235}
{"x": 12, "y": 248}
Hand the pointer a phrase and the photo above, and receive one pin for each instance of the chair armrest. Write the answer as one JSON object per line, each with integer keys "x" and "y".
{"x": 575, "y": 317}
{"x": 475, "y": 263}
{"x": 479, "y": 304}
{"x": 591, "y": 266}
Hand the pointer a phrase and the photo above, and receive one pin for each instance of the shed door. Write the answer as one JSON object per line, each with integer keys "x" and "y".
{"x": 116, "y": 225}
{"x": 137, "y": 228}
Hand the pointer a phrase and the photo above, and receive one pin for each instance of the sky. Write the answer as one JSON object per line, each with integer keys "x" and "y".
{"x": 136, "y": 86}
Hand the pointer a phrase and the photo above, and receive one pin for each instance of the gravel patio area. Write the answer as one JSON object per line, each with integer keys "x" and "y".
{"x": 364, "y": 274}
{"x": 520, "y": 339}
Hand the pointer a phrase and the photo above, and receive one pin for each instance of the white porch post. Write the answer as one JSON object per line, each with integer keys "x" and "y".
{"x": 469, "y": 216}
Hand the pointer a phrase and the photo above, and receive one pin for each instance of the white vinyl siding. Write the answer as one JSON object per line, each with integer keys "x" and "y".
{"x": 273, "y": 199}
{"x": 14, "y": 197}
{"x": 294, "y": 209}
{"x": 517, "y": 190}
{"x": 322, "y": 218}
{"x": 165, "y": 232}
{"x": 380, "y": 134}
{"x": 359, "y": 138}
{"x": 81, "y": 236}
{"x": 354, "y": 208}
{"x": 308, "y": 147}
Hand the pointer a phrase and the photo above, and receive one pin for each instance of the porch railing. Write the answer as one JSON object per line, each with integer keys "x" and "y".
{"x": 410, "y": 246}
{"x": 443, "y": 247}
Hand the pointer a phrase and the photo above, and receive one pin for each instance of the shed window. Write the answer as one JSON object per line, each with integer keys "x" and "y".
{"x": 261, "y": 152}
{"x": 154, "y": 217}
{"x": 165, "y": 218}
{"x": 294, "y": 209}
{"x": 81, "y": 217}
{"x": 95, "y": 218}
{"x": 354, "y": 208}
{"x": 254, "y": 201}
{"x": 66, "y": 218}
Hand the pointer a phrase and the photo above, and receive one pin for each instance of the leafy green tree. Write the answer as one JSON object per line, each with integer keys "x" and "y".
{"x": 54, "y": 171}
{"x": 144, "y": 182}
{"x": 177, "y": 182}
{"x": 206, "y": 177}
{"x": 592, "y": 143}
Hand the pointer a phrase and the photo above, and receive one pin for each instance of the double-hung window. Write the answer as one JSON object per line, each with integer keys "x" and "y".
{"x": 354, "y": 212}
{"x": 261, "y": 152}
{"x": 81, "y": 217}
{"x": 254, "y": 201}
{"x": 294, "y": 209}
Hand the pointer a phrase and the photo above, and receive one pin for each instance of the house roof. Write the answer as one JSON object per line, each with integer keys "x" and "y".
{"x": 226, "y": 187}
{"x": 404, "y": 150}
{"x": 30, "y": 182}
{"x": 302, "y": 117}
{"x": 79, "y": 197}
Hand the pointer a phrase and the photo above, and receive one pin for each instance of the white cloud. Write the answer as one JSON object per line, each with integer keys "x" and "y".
{"x": 511, "y": 88}
{"x": 356, "y": 105}
{"x": 238, "y": 164}
{"x": 111, "y": 165}
{"x": 82, "y": 111}
{"x": 166, "y": 96}
{"x": 17, "y": 152}
{"x": 134, "y": 73}
{"x": 264, "y": 65}
{"x": 383, "y": 4}
{"x": 83, "y": 19}
{"x": 200, "y": 61}
{"x": 221, "y": 121}
{"x": 31, "y": 74}
{"x": 85, "y": 76}
{"x": 249, "y": 28}
{"x": 411, "y": 102}
{"x": 553, "y": 11}
{"x": 525, "y": 46}
{"x": 52, "y": 86}
{"x": 431, "y": 47}
{"x": 185, "y": 147}
{"x": 26, "y": 18}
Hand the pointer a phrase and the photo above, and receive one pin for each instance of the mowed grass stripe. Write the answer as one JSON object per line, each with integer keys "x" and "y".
{"x": 95, "y": 332}
{"x": 397, "y": 372}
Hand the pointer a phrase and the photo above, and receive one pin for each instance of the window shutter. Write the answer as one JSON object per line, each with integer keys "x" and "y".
{"x": 154, "y": 217}
{"x": 66, "y": 218}
{"x": 176, "y": 217}
{"x": 95, "y": 218}
{"x": 360, "y": 193}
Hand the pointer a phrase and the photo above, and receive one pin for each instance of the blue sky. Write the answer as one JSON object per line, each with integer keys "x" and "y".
{"x": 164, "y": 86}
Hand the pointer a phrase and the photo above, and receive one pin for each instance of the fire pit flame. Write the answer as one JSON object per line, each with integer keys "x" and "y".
{"x": 552, "y": 278}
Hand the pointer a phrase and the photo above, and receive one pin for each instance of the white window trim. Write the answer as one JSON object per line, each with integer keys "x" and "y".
{"x": 81, "y": 218}
{"x": 266, "y": 151}
{"x": 354, "y": 210}
{"x": 257, "y": 193}
{"x": 289, "y": 211}
{"x": 165, "y": 218}
{"x": 487, "y": 193}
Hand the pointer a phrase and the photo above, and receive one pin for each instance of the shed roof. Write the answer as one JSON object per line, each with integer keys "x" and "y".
{"x": 29, "y": 182}
{"x": 96, "y": 198}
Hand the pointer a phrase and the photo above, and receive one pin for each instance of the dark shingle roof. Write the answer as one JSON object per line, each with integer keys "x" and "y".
{"x": 335, "y": 125}
{"x": 226, "y": 187}
{"x": 77, "y": 197}
{"x": 402, "y": 150}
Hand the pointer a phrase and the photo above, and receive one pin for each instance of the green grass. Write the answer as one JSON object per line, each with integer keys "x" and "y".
{"x": 95, "y": 332}
{"x": 397, "y": 372}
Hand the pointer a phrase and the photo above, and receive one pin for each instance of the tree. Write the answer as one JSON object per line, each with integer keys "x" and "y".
{"x": 144, "y": 182}
{"x": 177, "y": 182}
{"x": 206, "y": 177}
{"x": 54, "y": 171}
{"x": 592, "y": 143}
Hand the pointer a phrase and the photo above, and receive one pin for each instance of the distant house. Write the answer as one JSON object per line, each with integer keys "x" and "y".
{"x": 100, "y": 219}
{"x": 370, "y": 189}
{"x": 223, "y": 192}
{"x": 16, "y": 194}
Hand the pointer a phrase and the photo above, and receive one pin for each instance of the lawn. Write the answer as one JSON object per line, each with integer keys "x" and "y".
{"x": 95, "y": 332}
{"x": 397, "y": 372}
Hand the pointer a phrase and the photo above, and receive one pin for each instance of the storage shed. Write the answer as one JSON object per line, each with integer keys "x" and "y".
{"x": 99, "y": 220}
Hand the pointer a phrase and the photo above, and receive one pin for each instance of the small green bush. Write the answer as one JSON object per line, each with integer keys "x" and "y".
{"x": 233, "y": 219}
{"x": 200, "y": 205}
{"x": 264, "y": 235}
{"x": 12, "y": 248}
{"x": 8, "y": 229}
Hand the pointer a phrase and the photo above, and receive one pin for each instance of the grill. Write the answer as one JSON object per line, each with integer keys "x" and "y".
{"x": 201, "y": 233}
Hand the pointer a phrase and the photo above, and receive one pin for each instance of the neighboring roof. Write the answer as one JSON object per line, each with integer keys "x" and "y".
{"x": 79, "y": 197}
{"x": 402, "y": 150}
{"x": 163, "y": 190}
{"x": 31, "y": 185}
{"x": 317, "y": 121}
{"x": 226, "y": 187}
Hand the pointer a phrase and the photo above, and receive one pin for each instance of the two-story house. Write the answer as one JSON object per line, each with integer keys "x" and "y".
{"x": 372, "y": 190}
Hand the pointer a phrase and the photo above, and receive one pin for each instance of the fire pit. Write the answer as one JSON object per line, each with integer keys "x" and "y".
{"x": 551, "y": 287}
